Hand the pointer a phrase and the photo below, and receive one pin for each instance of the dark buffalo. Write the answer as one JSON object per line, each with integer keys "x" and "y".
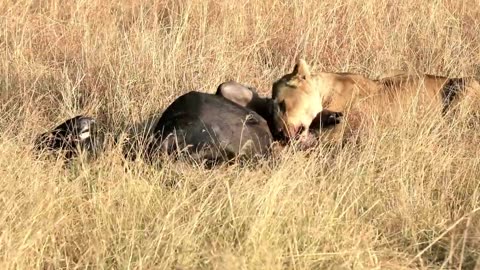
{"x": 210, "y": 127}
{"x": 73, "y": 136}
{"x": 235, "y": 122}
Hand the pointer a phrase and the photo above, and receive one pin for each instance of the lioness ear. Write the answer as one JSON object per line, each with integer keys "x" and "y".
{"x": 301, "y": 68}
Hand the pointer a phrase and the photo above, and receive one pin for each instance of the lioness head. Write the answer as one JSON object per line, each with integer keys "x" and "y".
{"x": 296, "y": 101}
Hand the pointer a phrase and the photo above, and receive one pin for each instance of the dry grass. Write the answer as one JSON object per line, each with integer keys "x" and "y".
{"x": 406, "y": 197}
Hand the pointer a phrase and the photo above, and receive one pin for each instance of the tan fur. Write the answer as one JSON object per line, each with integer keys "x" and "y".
{"x": 392, "y": 73}
{"x": 305, "y": 95}
{"x": 422, "y": 92}
{"x": 361, "y": 99}
{"x": 429, "y": 91}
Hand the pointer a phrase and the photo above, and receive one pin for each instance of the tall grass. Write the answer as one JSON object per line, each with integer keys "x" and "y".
{"x": 406, "y": 196}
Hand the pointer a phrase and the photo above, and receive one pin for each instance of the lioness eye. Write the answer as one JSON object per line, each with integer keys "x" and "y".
{"x": 282, "y": 106}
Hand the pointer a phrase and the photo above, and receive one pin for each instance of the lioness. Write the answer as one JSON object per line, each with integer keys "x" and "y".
{"x": 298, "y": 97}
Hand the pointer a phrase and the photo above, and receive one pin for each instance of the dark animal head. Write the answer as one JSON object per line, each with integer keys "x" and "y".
{"x": 76, "y": 134}
{"x": 247, "y": 96}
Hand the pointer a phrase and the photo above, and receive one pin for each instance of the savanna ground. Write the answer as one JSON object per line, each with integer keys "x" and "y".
{"x": 407, "y": 196}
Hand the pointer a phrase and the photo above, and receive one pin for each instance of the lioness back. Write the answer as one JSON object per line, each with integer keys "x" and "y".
{"x": 428, "y": 91}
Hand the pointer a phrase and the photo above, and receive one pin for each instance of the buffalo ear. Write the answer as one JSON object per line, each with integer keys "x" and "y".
{"x": 238, "y": 93}
{"x": 302, "y": 69}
